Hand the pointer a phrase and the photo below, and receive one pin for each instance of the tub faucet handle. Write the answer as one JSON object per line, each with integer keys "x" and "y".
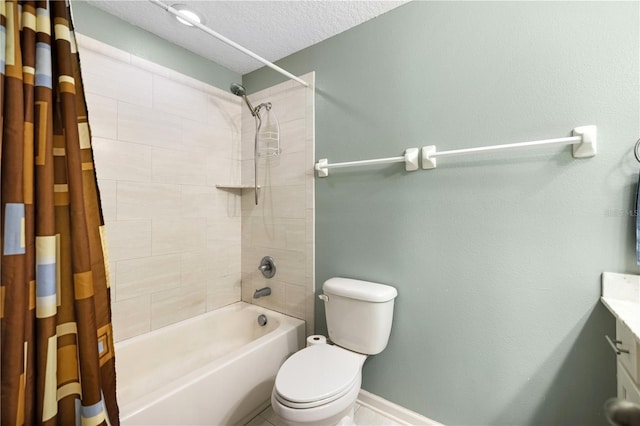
{"x": 267, "y": 267}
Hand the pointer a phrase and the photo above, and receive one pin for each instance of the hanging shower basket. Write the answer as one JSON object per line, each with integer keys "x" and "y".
{"x": 269, "y": 135}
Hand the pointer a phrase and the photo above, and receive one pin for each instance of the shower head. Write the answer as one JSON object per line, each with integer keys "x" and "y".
{"x": 239, "y": 90}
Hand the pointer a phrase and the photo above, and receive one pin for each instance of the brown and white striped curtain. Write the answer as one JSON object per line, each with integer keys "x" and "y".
{"x": 57, "y": 358}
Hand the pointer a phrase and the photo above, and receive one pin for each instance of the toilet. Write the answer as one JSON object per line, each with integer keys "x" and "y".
{"x": 319, "y": 384}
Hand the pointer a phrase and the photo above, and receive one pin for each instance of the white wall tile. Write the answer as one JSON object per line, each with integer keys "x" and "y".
{"x": 282, "y": 202}
{"x": 137, "y": 277}
{"x": 309, "y": 317}
{"x": 223, "y": 291}
{"x": 290, "y": 106}
{"x": 281, "y": 225}
{"x": 115, "y": 79}
{"x": 209, "y": 202}
{"x": 207, "y": 137}
{"x": 137, "y": 200}
{"x": 227, "y": 203}
{"x": 197, "y": 267}
{"x": 247, "y": 168}
{"x": 286, "y": 169}
{"x": 223, "y": 229}
{"x": 172, "y": 75}
{"x": 223, "y": 257}
{"x": 220, "y": 170}
{"x": 225, "y": 111}
{"x": 234, "y": 256}
{"x": 198, "y": 142}
{"x": 258, "y": 231}
{"x": 292, "y": 265}
{"x": 183, "y": 167}
{"x": 162, "y": 140}
{"x": 179, "y": 99}
{"x": 166, "y": 236}
{"x": 145, "y": 125}
{"x": 296, "y": 300}
{"x": 171, "y": 306}
{"x": 131, "y": 317}
{"x": 293, "y": 136}
{"x": 115, "y": 160}
{"x": 178, "y": 235}
{"x": 103, "y": 116}
{"x": 279, "y": 233}
{"x": 296, "y": 233}
{"x": 129, "y": 239}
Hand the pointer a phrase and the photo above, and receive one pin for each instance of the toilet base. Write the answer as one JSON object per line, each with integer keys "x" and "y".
{"x": 345, "y": 418}
{"x": 349, "y": 419}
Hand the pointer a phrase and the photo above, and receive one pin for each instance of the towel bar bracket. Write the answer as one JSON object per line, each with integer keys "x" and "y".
{"x": 588, "y": 147}
{"x": 321, "y": 167}
{"x": 410, "y": 160}
{"x": 429, "y": 162}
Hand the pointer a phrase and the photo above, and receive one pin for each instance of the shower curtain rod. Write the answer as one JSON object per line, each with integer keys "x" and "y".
{"x": 231, "y": 43}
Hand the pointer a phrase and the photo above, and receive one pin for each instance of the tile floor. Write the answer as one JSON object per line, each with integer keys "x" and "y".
{"x": 364, "y": 417}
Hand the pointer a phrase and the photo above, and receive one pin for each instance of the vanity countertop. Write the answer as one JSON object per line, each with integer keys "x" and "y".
{"x": 621, "y": 295}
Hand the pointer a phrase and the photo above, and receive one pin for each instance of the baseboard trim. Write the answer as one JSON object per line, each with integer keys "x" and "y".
{"x": 393, "y": 411}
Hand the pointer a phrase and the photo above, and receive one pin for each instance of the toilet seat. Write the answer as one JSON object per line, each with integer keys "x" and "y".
{"x": 317, "y": 375}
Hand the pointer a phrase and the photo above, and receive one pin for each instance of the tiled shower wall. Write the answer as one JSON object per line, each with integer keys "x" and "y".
{"x": 179, "y": 247}
{"x": 161, "y": 142}
{"x": 282, "y": 224}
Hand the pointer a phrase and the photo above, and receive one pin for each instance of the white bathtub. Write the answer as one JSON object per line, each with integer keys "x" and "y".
{"x": 214, "y": 369}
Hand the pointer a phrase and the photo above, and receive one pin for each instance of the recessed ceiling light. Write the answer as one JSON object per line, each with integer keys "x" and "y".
{"x": 189, "y": 13}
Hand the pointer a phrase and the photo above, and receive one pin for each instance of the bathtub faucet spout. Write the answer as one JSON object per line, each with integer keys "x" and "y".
{"x": 266, "y": 291}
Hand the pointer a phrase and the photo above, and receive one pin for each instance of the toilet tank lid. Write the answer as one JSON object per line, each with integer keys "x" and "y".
{"x": 359, "y": 290}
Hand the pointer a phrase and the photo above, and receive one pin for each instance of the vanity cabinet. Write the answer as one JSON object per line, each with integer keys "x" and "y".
{"x": 621, "y": 295}
{"x": 626, "y": 346}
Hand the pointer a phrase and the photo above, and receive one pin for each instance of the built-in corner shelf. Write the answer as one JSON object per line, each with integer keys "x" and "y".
{"x": 228, "y": 187}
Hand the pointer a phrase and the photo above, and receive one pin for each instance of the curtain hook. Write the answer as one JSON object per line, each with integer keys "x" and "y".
{"x": 635, "y": 151}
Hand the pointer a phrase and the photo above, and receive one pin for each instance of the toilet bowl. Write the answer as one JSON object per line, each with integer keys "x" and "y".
{"x": 318, "y": 385}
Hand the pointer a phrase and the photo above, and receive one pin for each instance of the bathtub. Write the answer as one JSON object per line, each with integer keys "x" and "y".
{"x": 214, "y": 369}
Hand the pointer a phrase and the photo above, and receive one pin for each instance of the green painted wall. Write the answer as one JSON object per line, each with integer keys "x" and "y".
{"x": 102, "y": 26}
{"x": 497, "y": 258}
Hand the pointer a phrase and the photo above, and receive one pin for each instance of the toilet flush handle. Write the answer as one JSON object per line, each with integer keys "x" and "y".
{"x": 323, "y": 297}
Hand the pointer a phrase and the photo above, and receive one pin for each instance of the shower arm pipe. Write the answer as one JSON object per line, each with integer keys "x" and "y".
{"x": 584, "y": 141}
{"x": 228, "y": 41}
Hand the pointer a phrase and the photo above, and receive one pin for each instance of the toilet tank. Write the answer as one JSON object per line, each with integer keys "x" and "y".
{"x": 359, "y": 314}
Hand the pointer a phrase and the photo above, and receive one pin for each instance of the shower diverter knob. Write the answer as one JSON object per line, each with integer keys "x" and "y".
{"x": 267, "y": 267}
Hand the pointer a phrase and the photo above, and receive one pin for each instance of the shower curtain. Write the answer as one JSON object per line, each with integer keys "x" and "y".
{"x": 57, "y": 358}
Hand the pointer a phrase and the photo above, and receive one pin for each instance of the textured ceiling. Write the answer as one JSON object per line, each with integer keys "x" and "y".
{"x": 272, "y": 29}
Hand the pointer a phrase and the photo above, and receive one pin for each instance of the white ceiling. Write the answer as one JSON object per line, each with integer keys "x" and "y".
{"x": 272, "y": 29}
